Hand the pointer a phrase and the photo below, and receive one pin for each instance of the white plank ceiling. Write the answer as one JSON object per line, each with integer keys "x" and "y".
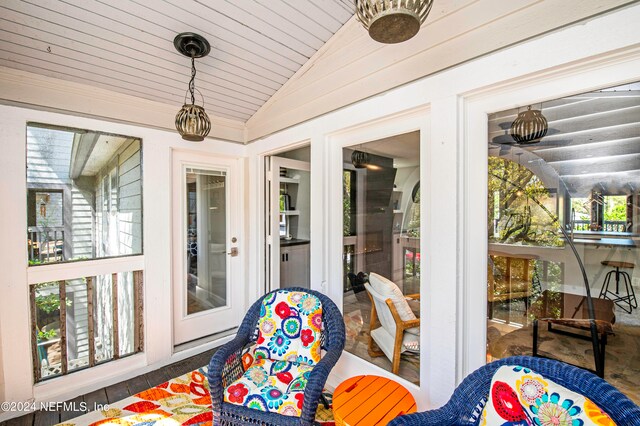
{"x": 127, "y": 45}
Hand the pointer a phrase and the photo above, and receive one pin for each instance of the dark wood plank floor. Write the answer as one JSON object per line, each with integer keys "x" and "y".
{"x": 112, "y": 393}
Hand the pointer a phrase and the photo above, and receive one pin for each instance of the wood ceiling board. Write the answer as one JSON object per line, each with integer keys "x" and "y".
{"x": 357, "y": 62}
{"x": 363, "y": 82}
{"x": 145, "y": 51}
{"x": 225, "y": 53}
{"x": 236, "y": 33}
{"x": 603, "y": 164}
{"x": 344, "y": 11}
{"x": 317, "y": 14}
{"x": 573, "y": 108}
{"x": 283, "y": 9}
{"x": 51, "y": 69}
{"x": 279, "y": 23}
{"x": 34, "y": 38}
{"x": 584, "y": 123}
{"x": 620, "y": 183}
{"x": 16, "y": 43}
{"x": 583, "y": 138}
{"x": 256, "y": 48}
{"x": 352, "y": 45}
{"x": 595, "y": 149}
{"x": 590, "y": 108}
{"x": 19, "y": 87}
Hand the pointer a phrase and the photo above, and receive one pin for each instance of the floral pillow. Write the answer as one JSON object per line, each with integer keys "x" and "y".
{"x": 520, "y": 396}
{"x": 290, "y": 327}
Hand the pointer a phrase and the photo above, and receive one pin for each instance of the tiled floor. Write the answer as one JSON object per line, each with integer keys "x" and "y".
{"x": 113, "y": 393}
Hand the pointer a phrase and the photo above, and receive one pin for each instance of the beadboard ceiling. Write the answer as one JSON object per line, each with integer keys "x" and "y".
{"x": 273, "y": 64}
{"x": 126, "y": 46}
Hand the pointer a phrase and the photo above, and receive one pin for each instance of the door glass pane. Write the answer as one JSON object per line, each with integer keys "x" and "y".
{"x": 570, "y": 196}
{"x": 206, "y": 251}
{"x": 381, "y": 252}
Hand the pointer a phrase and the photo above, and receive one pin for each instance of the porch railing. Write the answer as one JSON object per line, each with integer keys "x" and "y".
{"x": 79, "y": 323}
{"x": 608, "y": 225}
{"x": 615, "y": 226}
{"x": 45, "y": 244}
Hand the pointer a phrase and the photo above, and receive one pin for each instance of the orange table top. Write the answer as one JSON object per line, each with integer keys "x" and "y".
{"x": 370, "y": 400}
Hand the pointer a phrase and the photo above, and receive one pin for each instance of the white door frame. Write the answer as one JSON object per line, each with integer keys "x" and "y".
{"x": 273, "y": 238}
{"x": 205, "y": 323}
{"x": 416, "y": 119}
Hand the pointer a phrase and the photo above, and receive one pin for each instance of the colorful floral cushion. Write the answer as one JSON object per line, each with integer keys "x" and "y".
{"x": 290, "y": 327}
{"x": 273, "y": 386}
{"x": 520, "y": 396}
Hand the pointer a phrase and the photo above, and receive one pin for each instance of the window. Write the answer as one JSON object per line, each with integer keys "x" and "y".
{"x": 583, "y": 177}
{"x": 607, "y": 213}
{"x": 84, "y": 195}
{"x": 84, "y": 202}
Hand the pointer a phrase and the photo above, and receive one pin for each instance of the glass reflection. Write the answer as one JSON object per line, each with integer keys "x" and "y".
{"x": 381, "y": 253}
{"x": 206, "y": 245}
{"x": 583, "y": 175}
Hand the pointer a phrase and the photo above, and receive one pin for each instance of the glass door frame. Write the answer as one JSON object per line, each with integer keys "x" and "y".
{"x": 198, "y": 325}
{"x": 412, "y": 120}
{"x": 473, "y": 174}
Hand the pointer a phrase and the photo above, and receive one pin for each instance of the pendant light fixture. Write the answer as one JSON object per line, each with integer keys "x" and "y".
{"x": 192, "y": 121}
{"x": 392, "y": 21}
{"x": 359, "y": 159}
{"x": 529, "y": 127}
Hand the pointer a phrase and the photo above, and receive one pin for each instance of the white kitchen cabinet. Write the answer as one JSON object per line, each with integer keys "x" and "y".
{"x": 294, "y": 265}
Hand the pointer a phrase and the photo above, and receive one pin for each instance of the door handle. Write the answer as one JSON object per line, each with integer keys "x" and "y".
{"x": 233, "y": 252}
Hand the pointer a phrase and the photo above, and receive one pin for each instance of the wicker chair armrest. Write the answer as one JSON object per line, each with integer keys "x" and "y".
{"x": 415, "y": 296}
{"x": 466, "y": 404}
{"x": 225, "y": 367}
{"x": 316, "y": 383}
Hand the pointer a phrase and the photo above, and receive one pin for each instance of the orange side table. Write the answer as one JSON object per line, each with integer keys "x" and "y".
{"x": 370, "y": 400}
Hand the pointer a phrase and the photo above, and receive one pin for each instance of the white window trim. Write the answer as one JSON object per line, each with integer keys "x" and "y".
{"x": 84, "y": 268}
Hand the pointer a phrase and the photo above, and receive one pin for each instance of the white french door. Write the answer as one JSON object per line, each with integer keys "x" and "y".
{"x": 206, "y": 252}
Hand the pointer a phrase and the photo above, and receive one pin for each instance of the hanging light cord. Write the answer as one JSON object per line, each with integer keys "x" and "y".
{"x": 192, "y": 84}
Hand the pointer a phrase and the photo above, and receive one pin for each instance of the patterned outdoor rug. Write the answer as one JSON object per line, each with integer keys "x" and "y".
{"x": 184, "y": 400}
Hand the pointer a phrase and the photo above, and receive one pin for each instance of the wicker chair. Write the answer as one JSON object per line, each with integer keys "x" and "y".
{"x": 226, "y": 367}
{"x": 466, "y": 403}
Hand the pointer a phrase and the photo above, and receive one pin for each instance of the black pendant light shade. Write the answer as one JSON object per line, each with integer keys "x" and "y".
{"x": 360, "y": 159}
{"x": 529, "y": 127}
{"x": 192, "y": 121}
